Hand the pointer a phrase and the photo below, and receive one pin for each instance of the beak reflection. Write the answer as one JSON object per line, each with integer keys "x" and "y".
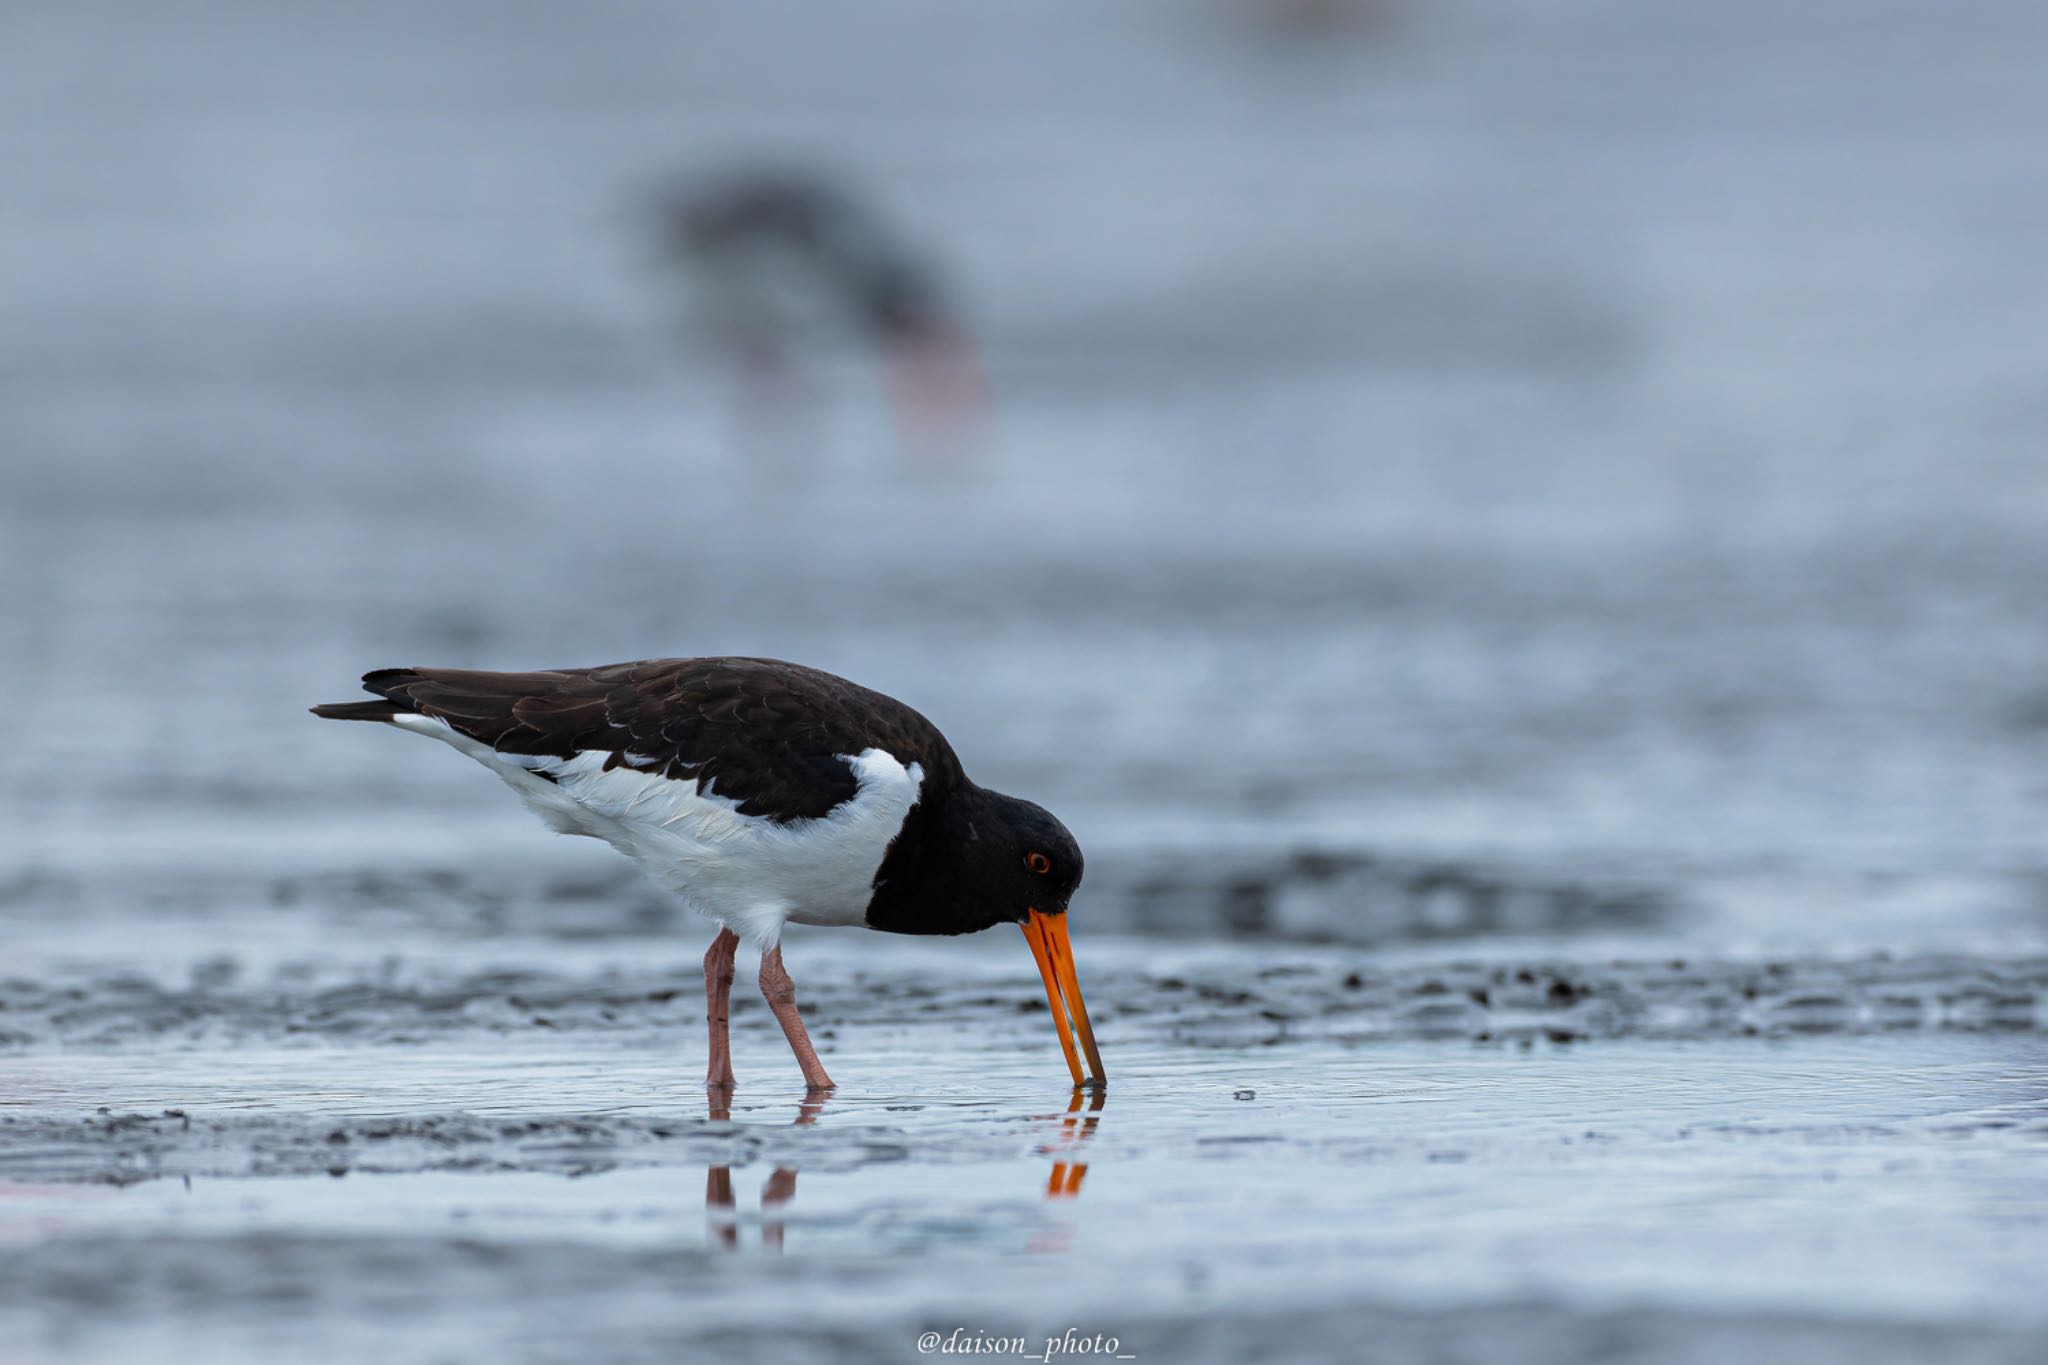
{"x": 1065, "y": 1181}
{"x": 1047, "y": 935}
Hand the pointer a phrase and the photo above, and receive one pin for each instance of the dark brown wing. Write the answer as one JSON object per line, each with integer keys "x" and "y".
{"x": 770, "y": 735}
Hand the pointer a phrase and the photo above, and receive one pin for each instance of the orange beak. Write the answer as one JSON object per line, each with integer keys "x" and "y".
{"x": 1047, "y": 935}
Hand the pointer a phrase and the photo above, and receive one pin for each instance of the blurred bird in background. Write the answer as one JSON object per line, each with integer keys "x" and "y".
{"x": 779, "y": 271}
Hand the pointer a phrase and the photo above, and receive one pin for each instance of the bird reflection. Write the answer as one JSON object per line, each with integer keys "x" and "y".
{"x": 1066, "y": 1145}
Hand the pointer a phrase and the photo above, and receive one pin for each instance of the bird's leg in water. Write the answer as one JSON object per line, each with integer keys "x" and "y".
{"x": 717, "y": 1005}
{"x": 781, "y": 993}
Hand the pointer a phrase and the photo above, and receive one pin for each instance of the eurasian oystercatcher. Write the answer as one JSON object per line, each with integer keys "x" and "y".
{"x": 764, "y": 793}
{"x": 774, "y": 262}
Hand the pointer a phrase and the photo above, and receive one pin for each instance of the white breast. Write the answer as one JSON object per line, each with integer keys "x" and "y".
{"x": 748, "y": 872}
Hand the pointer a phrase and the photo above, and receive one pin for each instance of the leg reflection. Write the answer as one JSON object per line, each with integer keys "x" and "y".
{"x": 719, "y": 1205}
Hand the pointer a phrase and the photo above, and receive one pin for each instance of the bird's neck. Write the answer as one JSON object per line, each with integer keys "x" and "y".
{"x": 926, "y": 884}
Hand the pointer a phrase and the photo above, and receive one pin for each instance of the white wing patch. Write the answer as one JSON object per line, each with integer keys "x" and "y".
{"x": 749, "y": 872}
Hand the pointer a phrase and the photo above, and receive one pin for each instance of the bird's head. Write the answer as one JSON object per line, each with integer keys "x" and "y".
{"x": 1038, "y": 864}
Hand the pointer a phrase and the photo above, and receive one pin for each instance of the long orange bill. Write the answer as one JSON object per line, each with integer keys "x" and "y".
{"x": 1047, "y": 935}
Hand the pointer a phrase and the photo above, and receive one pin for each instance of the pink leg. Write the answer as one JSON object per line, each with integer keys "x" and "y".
{"x": 781, "y": 993}
{"x": 717, "y": 1005}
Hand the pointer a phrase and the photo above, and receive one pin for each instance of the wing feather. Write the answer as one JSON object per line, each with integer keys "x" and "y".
{"x": 769, "y": 735}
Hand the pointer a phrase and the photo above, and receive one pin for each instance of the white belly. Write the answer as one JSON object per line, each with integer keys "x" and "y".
{"x": 750, "y": 873}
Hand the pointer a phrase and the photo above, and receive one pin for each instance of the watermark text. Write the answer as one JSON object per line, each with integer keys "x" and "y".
{"x": 962, "y": 1341}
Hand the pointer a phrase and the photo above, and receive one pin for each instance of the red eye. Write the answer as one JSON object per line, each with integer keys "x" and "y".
{"x": 1038, "y": 863}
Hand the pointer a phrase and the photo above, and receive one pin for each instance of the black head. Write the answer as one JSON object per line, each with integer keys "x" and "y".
{"x": 981, "y": 859}
{"x": 1029, "y": 861}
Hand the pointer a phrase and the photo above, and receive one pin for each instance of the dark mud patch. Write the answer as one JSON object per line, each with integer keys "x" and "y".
{"x": 1328, "y": 995}
{"x": 1565, "y": 1002}
{"x": 127, "y": 1148}
{"x": 1347, "y": 897}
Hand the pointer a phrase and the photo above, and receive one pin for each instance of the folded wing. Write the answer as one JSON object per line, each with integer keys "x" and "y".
{"x": 770, "y": 735}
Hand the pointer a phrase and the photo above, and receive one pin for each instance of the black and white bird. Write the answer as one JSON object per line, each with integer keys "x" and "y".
{"x": 776, "y": 264}
{"x": 764, "y": 793}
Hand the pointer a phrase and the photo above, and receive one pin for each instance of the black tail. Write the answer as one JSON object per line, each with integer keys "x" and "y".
{"x": 384, "y": 682}
{"x": 361, "y": 710}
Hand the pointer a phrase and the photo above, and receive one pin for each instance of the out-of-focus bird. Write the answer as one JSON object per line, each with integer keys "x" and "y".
{"x": 764, "y": 793}
{"x": 775, "y": 267}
